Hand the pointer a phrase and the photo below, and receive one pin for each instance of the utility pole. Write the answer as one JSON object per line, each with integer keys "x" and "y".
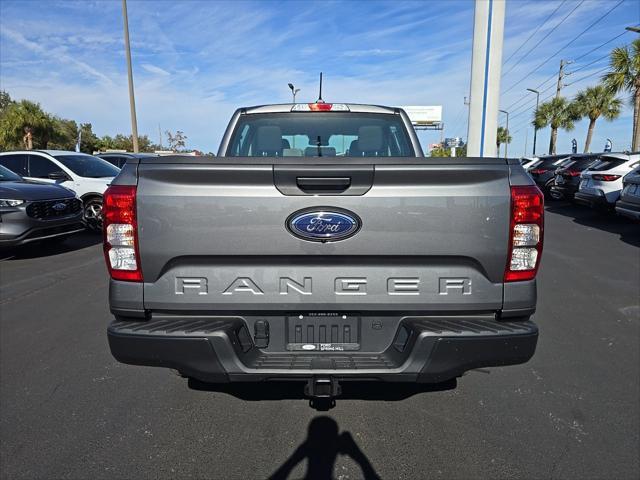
{"x": 561, "y": 74}
{"x": 132, "y": 100}
{"x": 554, "y": 131}
{"x": 160, "y": 136}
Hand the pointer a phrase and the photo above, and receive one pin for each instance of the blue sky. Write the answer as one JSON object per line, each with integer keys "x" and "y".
{"x": 196, "y": 61}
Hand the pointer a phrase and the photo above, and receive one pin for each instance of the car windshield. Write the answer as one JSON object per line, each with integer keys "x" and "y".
{"x": 88, "y": 165}
{"x": 7, "y": 175}
{"x": 314, "y": 134}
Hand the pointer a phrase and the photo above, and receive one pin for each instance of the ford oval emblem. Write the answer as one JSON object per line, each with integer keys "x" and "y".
{"x": 59, "y": 206}
{"x": 323, "y": 224}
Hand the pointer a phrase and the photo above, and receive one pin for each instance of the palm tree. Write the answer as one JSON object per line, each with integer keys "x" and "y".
{"x": 21, "y": 118}
{"x": 624, "y": 75}
{"x": 594, "y": 102}
{"x": 556, "y": 113}
{"x": 502, "y": 137}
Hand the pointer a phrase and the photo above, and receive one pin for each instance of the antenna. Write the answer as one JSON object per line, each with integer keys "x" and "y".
{"x": 320, "y": 100}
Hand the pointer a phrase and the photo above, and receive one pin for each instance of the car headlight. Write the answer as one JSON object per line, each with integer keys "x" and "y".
{"x": 6, "y": 202}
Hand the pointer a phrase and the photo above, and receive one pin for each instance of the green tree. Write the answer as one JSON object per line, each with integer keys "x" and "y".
{"x": 5, "y": 101}
{"x": 122, "y": 142}
{"x": 23, "y": 116}
{"x": 624, "y": 75}
{"x": 556, "y": 113}
{"x": 446, "y": 151}
{"x": 502, "y": 137}
{"x": 65, "y": 133}
{"x": 594, "y": 102}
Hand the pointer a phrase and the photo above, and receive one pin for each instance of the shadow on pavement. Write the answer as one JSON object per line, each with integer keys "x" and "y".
{"x": 322, "y": 446}
{"x": 50, "y": 247}
{"x": 293, "y": 390}
{"x": 628, "y": 230}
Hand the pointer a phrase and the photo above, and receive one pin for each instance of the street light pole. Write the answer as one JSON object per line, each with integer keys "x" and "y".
{"x": 506, "y": 140}
{"x": 293, "y": 91}
{"x": 132, "y": 100}
{"x": 535, "y": 129}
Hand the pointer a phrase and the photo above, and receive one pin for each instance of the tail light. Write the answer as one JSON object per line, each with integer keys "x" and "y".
{"x": 525, "y": 233}
{"x": 539, "y": 171}
{"x": 320, "y": 107}
{"x": 572, "y": 173}
{"x": 121, "y": 233}
{"x": 605, "y": 178}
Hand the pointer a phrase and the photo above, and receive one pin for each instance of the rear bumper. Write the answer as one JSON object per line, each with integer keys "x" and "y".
{"x": 598, "y": 200}
{"x": 565, "y": 191}
{"x": 628, "y": 210}
{"x": 424, "y": 349}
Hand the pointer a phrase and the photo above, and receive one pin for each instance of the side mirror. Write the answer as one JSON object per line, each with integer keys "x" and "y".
{"x": 60, "y": 175}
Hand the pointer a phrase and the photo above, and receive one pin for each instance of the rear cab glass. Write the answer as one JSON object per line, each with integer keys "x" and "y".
{"x": 325, "y": 134}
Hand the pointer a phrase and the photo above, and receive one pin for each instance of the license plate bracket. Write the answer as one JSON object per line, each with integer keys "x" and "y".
{"x": 323, "y": 332}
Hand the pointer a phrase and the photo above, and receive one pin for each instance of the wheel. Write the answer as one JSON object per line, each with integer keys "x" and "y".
{"x": 547, "y": 190}
{"x": 93, "y": 213}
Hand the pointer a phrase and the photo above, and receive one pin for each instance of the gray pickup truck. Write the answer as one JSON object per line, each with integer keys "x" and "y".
{"x": 321, "y": 245}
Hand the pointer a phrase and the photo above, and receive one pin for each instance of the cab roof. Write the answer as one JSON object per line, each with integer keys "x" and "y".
{"x": 287, "y": 107}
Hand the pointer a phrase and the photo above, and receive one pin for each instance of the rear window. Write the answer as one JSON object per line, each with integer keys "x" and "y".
{"x": 88, "y": 165}
{"x": 330, "y": 134}
{"x": 606, "y": 163}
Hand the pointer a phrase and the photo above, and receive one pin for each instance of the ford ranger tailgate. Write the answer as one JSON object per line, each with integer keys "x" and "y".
{"x": 215, "y": 236}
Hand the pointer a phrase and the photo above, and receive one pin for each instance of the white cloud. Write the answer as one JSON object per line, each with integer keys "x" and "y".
{"x": 154, "y": 69}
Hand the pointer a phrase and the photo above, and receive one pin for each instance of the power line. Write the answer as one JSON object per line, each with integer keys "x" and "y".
{"x": 566, "y": 45}
{"x": 590, "y": 75}
{"x": 536, "y": 31}
{"x": 525, "y": 96}
{"x": 543, "y": 38}
{"x": 528, "y": 105}
{"x": 601, "y": 45}
{"x": 589, "y": 64}
{"x": 572, "y": 83}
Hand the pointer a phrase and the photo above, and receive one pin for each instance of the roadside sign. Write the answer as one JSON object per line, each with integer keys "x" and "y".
{"x": 424, "y": 115}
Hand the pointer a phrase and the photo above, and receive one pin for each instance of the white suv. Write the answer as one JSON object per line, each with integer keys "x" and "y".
{"x": 86, "y": 175}
{"x": 601, "y": 184}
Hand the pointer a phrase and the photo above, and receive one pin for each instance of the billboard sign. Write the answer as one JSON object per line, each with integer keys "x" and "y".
{"x": 424, "y": 115}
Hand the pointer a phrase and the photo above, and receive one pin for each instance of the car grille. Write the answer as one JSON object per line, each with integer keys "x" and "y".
{"x": 49, "y": 209}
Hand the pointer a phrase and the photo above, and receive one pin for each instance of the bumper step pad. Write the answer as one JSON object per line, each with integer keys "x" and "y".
{"x": 425, "y": 349}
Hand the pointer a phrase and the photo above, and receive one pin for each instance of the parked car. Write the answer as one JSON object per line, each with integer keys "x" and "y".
{"x": 275, "y": 261}
{"x": 527, "y": 161}
{"x": 601, "y": 184}
{"x": 120, "y": 158}
{"x": 566, "y": 178}
{"x": 543, "y": 169}
{"x": 31, "y": 211}
{"x": 86, "y": 175}
{"x": 629, "y": 203}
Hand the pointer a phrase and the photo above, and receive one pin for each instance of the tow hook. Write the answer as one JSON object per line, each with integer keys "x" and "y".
{"x": 322, "y": 392}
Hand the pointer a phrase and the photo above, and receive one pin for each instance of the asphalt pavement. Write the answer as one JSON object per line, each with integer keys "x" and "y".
{"x": 69, "y": 410}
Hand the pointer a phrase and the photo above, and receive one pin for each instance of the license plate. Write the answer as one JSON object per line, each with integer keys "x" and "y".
{"x": 584, "y": 183}
{"x": 633, "y": 190}
{"x": 559, "y": 179}
{"x": 323, "y": 332}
